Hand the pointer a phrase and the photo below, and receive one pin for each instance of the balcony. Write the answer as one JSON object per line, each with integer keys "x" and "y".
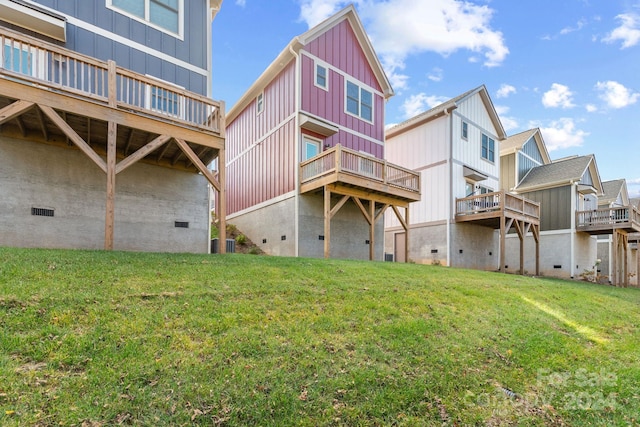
{"x": 342, "y": 167}
{"x": 501, "y": 210}
{"x": 608, "y": 220}
{"x": 55, "y": 96}
{"x": 86, "y": 94}
{"x": 487, "y": 209}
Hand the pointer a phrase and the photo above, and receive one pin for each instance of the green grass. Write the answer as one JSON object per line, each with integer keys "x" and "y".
{"x": 110, "y": 338}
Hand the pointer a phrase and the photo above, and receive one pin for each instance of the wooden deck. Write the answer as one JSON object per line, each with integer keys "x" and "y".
{"x": 502, "y": 211}
{"x": 116, "y": 117}
{"x": 487, "y": 209}
{"x": 347, "y": 168}
{"x": 374, "y": 185}
{"x": 606, "y": 221}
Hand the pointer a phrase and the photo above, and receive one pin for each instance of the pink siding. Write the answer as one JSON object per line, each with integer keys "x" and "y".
{"x": 268, "y": 169}
{"x": 339, "y": 47}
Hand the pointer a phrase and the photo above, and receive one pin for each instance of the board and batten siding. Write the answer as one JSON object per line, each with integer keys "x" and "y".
{"x": 339, "y": 50}
{"x": 192, "y": 49}
{"x": 555, "y": 207}
{"x": 261, "y": 163}
{"x": 508, "y": 172}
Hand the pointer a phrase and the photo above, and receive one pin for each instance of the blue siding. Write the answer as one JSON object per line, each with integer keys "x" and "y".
{"x": 192, "y": 50}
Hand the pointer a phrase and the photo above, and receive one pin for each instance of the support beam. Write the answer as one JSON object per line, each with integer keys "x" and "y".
{"x": 222, "y": 203}
{"x": 536, "y": 236}
{"x": 14, "y": 110}
{"x": 43, "y": 124}
{"x": 142, "y": 152}
{"x": 372, "y": 230}
{"x": 338, "y": 206}
{"x": 111, "y": 186}
{"x": 327, "y": 222}
{"x": 73, "y": 136}
{"x": 199, "y": 165}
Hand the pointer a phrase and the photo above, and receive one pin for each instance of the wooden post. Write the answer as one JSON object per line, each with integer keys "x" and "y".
{"x": 372, "y": 229}
{"x": 112, "y": 90}
{"x": 536, "y": 237}
{"x": 222, "y": 202}
{"x": 614, "y": 274}
{"x": 327, "y": 221}
{"x": 111, "y": 185}
{"x": 625, "y": 247}
{"x": 503, "y": 242}
{"x": 406, "y": 235}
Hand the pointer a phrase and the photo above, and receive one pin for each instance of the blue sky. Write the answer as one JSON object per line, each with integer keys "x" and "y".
{"x": 570, "y": 67}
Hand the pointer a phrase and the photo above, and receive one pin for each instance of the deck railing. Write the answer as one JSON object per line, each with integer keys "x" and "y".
{"x": 343, "y": 160}
{"x": 613, "y": 217}
{"x": 46, "y": 65}
{"x": 496, "y": 202}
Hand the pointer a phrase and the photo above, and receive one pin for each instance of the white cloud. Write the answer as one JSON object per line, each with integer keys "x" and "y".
{"x": 400, "y": 28}
{"x": 505, "y": 90}
{"x": 241, "y": 3}
{"x": 579, "y": 25}
{"x": 508, "y": 123}
{"x": 314, "y": 12}
{"x": 436, "y": 74}
{"x": 558, "y": 96}
{"x": 421, "y": 102}
{"x": 628, "y": 32}
{"x": 562, "y": 133}
{"x": 591, "y": 108}
{"x": 616, "y": 95}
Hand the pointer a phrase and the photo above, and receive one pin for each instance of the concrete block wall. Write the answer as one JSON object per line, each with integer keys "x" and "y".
{"x": 474, "y": 246}
{"x": 149, "y": 200}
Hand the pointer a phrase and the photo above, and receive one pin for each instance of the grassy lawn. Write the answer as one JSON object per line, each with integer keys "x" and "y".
{"x": 110, "y": 338}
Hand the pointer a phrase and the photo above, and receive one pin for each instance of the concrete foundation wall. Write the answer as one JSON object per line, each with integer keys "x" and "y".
{"x": 479, "y": 246}
{"x": 274, "y": 223}
{"x": 427, "y": 243}
{"x": 349, "y": 231}
{"x": 149, "y": 200}
{"x": 555, "y": 254}
{"x": 604, "y": 268}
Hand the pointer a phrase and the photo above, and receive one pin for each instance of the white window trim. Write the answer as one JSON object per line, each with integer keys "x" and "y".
{"x": 316, "y": 64}
{"x": 313, "y": 139}
{"x": 179, "y": 34}
{"x": 487, "y": 159}
{"x": 462, "y": 135}
{"x": 361, "y": 86}
{"x": 260, "y": 103}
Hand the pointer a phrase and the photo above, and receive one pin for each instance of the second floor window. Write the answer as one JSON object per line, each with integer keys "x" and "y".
{"x": 359, "y": 102}
{"x": 321, "y": 76}
{"x": 465, "y": 130}
{"x": 260, "y": 103}
{"x": 488, "y": 148}
{"x": 165, "y": 14}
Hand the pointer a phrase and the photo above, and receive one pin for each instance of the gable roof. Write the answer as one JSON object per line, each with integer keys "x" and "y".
{"x": 611, "y": 190}
{"x": 568, "y": 170}
{"x": 516, "y": 143}
{"x": 292, "y": 50}
{"x": 446, "y": 108}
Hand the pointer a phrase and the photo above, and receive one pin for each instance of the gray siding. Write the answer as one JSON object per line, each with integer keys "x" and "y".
{"x": 555, "y": 207}
{"x": 192, "y": 50}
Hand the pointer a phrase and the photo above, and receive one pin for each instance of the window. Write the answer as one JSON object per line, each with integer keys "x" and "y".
{"x": 488, "y": 148}
{"x": 260, "y": 103}
{"x": 311, "y": 147}
{"x": 359, "y": 102}
{"x": 166, "y": 15}
{"x": 321, "y": 77}
{"x": 23, "y": 59}
{"x": 165, "y": 101}
{"x": 465, "y": 130}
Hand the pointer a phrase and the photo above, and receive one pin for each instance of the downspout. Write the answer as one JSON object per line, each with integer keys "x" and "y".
{"x": 574, "y": 207}
{"x": 296, "y": 151}
{"x": 451, "y": 196}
